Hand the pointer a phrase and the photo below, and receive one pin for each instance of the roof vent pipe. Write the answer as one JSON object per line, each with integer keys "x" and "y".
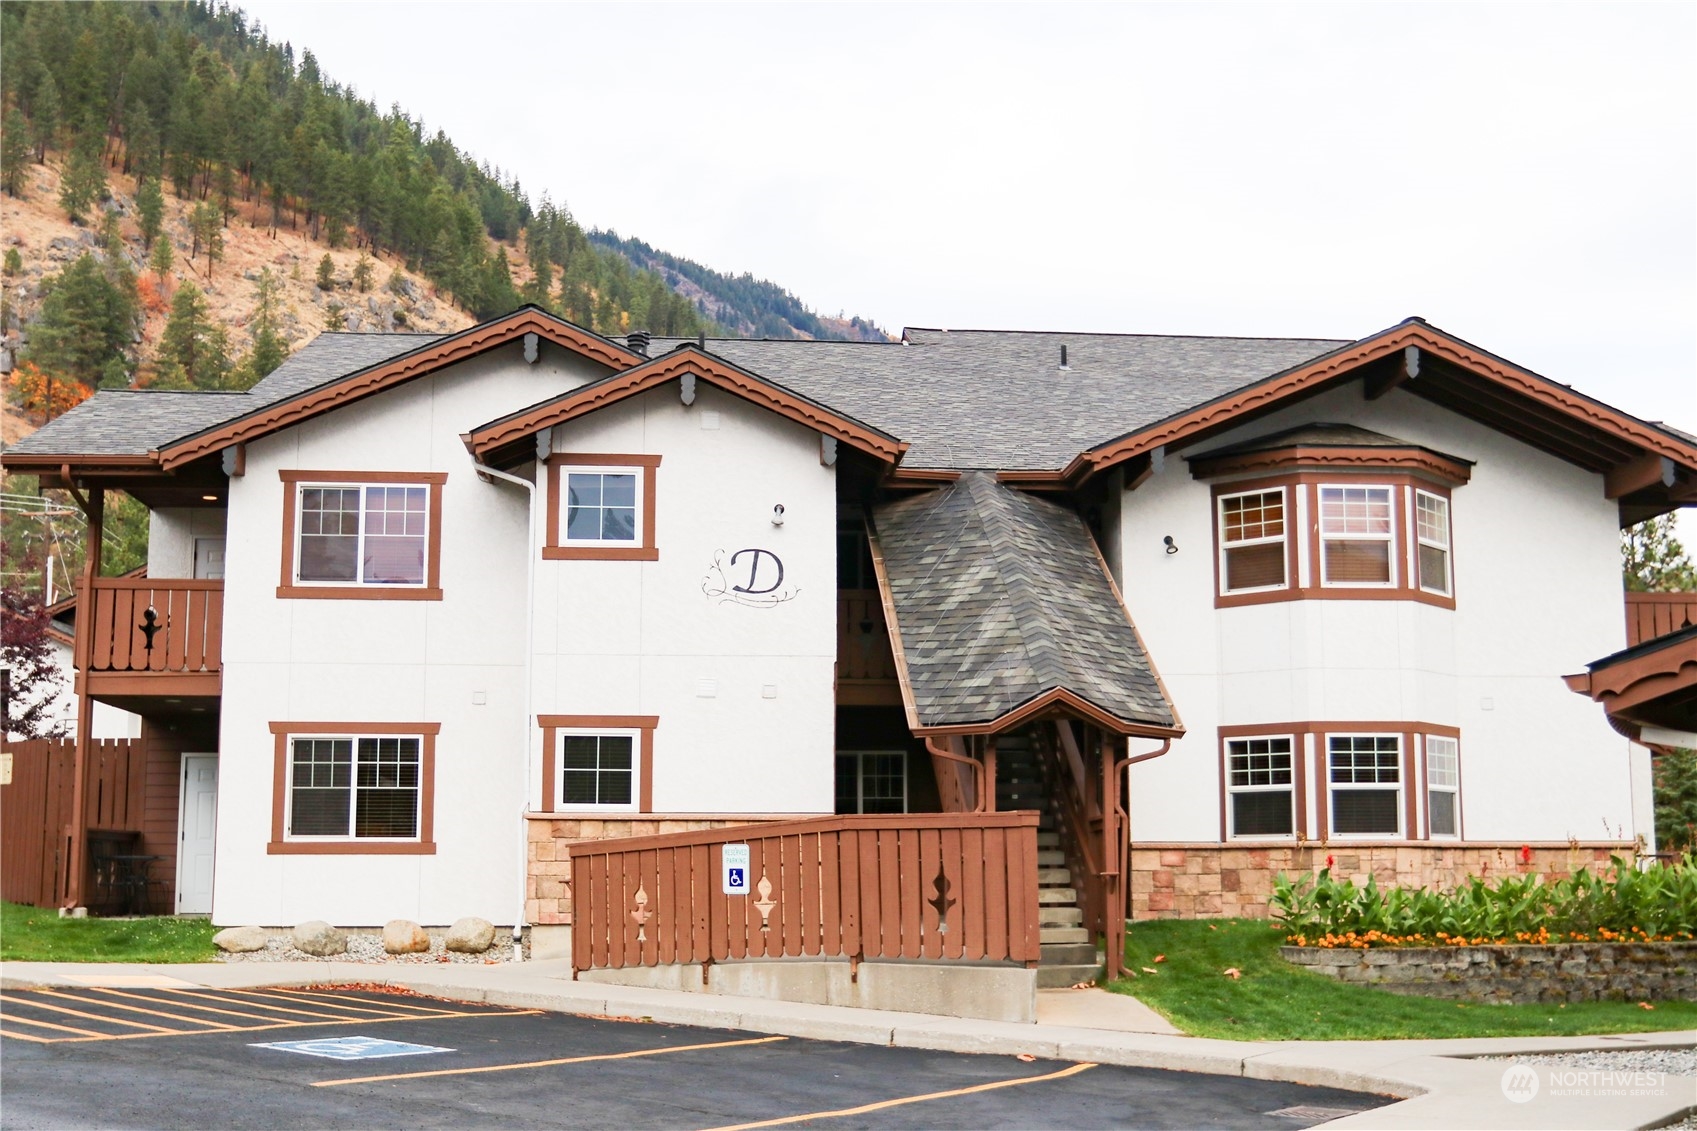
{"x": 1064, "y": 364}
{"x": 637, "y": 340}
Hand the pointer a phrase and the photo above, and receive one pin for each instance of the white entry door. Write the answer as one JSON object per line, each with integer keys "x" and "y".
{"x": 197, "y": 822}
{"x": 209, "y": 559}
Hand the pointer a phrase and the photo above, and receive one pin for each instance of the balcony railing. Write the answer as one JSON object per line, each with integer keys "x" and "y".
{"x": 1649, "y": 615}
{"x": 864, "y": 659}
{"x": 183, "y": 636}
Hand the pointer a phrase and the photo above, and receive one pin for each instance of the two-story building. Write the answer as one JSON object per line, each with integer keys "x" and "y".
{"x": 421, "y": 614}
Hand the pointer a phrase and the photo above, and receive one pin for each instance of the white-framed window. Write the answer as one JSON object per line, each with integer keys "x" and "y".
{"x": 362, "y": 533}
{"x": 603, "y": 506}
{"x": 1253, "y": 529}
{"x": 1364, "y": 777}
{"x": 354, "y": 787}
{"x": 1357, "y": 533}
{"x": 1432, "y": 542}
{"x": 871, "y": 781}
{"x": 1443, "y": 786}
{"x": 1260, "y": 787}
{"x": 598, "y": 769}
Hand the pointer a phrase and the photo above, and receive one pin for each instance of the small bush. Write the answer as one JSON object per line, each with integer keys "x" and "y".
{"x": 1622, "y": 904}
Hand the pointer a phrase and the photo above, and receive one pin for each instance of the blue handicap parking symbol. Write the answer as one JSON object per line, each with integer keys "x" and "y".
{"x": 736, "y": 878}
{"x": 353, "y": 1048}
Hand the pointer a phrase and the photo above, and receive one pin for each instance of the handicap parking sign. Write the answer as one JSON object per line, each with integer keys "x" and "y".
{"x": 736, "y": 869}
{"x": 352, "y": 1048}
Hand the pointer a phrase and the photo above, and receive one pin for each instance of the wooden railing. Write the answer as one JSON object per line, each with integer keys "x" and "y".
{"x": 40, "y": 815}
{"x": 188, "y": 620}
{"x": 909, "y": 886}
{"x": 863, "y": 639}
{"x": 1649, "y": 615}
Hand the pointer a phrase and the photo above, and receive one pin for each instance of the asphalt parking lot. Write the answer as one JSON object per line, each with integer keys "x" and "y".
{"x": 142, "y": 1057}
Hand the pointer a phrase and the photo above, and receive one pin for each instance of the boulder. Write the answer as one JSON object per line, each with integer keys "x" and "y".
{"x": 319, "y": 938}
{"x": 403, "y": 936}
{"x": 470, "y": 935}
{"x": 240, "y": 940}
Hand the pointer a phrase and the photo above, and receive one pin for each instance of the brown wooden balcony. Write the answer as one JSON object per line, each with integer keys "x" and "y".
{"x": 126, "y": 657}
{"x": 866, "y": 668}
{"x": 1649, "y": 615}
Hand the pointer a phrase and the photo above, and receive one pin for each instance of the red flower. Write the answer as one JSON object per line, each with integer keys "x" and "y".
{"x": 1329, "y": 861}
{"x": 1526, "y": 854}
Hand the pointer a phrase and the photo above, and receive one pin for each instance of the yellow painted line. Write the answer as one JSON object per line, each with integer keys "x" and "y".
{"x": 204, "y": 1008}
{"x": 27, "y": 1037}
{"x": 137, "y": 1009}
{"x": 544, "y": 1063}
{"x": 883, "y": 1104}
{"x": 88, "y": 1016}
{"x": 423, "y": 1010}
{"x": 362, "y": 1007}
{"x": 263, "y": 1028}
{"x": 13, "y": 1017}
{"x": 275, "y": 1009}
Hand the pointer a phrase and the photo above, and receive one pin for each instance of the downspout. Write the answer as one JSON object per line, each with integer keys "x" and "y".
{"x": 1117, "y": 848}
{"x": 976, "y": 766}
{"x": 527, "y": 762}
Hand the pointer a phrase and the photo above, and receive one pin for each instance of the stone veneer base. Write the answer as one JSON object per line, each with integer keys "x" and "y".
{"x": 1558, "y": 972}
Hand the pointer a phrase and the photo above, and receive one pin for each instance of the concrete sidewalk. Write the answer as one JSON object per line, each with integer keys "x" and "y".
{"x": 1438, "y": 1090}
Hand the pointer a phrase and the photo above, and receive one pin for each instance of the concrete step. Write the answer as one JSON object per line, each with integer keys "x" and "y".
{"x": 1051, "y": 858}
{"x": 1067, "y": 953}
{"x": 1051, "y": 896}
{"x": 1054, "y": 878}
{"x": 1048, "y": 840}
{"x": 1059, "y": 915}
{"x": 1063, "y": 976}
{"x": 1062, "y": 935}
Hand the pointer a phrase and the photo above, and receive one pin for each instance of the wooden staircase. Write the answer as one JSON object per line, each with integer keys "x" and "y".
{"x": 1069, "y": 952}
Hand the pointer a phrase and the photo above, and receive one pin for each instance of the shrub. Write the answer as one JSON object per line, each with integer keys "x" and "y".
{"x": 1622, "y": 904}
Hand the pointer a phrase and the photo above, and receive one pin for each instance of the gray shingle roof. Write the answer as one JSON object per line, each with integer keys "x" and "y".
{"x": 136, "y": 421}
{"x": 1000, "y": 597}
{"x": 999, "y": 400}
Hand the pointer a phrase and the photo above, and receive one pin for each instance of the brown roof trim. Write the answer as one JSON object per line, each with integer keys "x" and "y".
{"x": 691, "y": 361}
{"x": 1419, "y": 461}
{"x": 374, "y": 379}
{"x": 920, "y": 477}
{"x": 39, "y": 463}
{"x": 1059, "y": 700}
{"x": 1342, "y": 363}
{"x": 1639, "y": 675}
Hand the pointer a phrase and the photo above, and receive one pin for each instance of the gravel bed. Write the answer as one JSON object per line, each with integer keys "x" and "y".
{"x": 1674, "y": 1062}
{"x": 368, "y": 948}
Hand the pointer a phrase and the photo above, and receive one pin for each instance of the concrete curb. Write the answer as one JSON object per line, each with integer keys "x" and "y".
{"x": 1438, "y": 1086}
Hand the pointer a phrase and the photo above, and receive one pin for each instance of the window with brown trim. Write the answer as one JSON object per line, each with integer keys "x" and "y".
{"x": 1261, "y": 787}
{"x": 1364, "y": 773}
{"x": 601, "y": 507}
{"x": 362, "y": 535}
{"x": 1432, "y": 542}
{"x": 1357, "y": 536}
{"x": 353, "y": 788}
{"x": 598, "y": 763}
{"x": 1252, "y": 541}
{"x": 1443, "y": 786}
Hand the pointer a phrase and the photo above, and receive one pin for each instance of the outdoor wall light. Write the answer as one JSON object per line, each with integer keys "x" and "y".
{"x": 1172, "y": 547}
{"x": 778, "y": 515}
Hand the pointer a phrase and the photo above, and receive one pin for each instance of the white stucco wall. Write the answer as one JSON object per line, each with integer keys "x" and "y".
{"x": 1538, "y": 594}
{"x": 171, "y": 534}
{"x": 386, "y": 661}
{"x": 744, "y": 693}
{"x": 107, "y": 721}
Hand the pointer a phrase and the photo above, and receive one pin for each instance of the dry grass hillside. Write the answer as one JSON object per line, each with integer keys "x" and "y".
{"x": 48, "y": 242}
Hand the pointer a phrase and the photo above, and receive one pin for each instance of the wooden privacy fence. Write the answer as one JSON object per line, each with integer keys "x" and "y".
{"x": 188, "y": 619}
{"x": 911, "y": 885}
{"x": 1649, "y": 615}
{"x": 35, "y": 811}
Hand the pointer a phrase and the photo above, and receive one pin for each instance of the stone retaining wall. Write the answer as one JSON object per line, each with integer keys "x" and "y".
{"x": 1560, "y": 972}
{"x": 1197, "y": 881}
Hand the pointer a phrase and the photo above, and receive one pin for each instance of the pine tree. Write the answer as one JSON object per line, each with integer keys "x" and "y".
{"x": 194, "y": 344}
{"x": 208, "y": 225}
{"x": 84, "y": 182}
{"x": 1676, "y": 801}
{"x": 44, "y": 117}
{"x": 326, "y": 273}
{"x": 86, "y": 323}
{"x": 362, "y": 273}
{"x": 150, "y": 210}
{"x": 1653, "y": 559}
{"x": 160, "y": 261}
{"x": 14, "y": 153}
{"x": 269, "y": 349}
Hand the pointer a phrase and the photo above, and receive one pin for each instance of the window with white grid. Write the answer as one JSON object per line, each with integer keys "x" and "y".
{"x": 871, "y": 781}
{"x": 1260, "y": 787}
{"x": 1356, "y": 535}
{"x": 1365, "y": 784}
{"x": 598, "y": 770}
{"x": 1253, "y": 529}
{"x": 1443, "y": 786}
{"x": 1432, "y": 542}
{"x": 362, "y": 535}
{"x": 602, "y": 505}
{"x": 354, "y": 786}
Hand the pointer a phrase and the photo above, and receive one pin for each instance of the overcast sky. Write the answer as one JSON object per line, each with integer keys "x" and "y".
{"x": 1522, "y": 175}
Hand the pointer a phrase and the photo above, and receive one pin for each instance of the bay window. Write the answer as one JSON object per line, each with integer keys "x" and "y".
{"x": 1260, "y": 787}
{"x": 1364, "y": 772}
{"x": 1252, "y": 541}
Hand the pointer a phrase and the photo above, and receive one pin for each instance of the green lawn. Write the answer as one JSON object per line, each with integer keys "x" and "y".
{"x": 37, "y": 934}
{"x": 1273, "y": 1000}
